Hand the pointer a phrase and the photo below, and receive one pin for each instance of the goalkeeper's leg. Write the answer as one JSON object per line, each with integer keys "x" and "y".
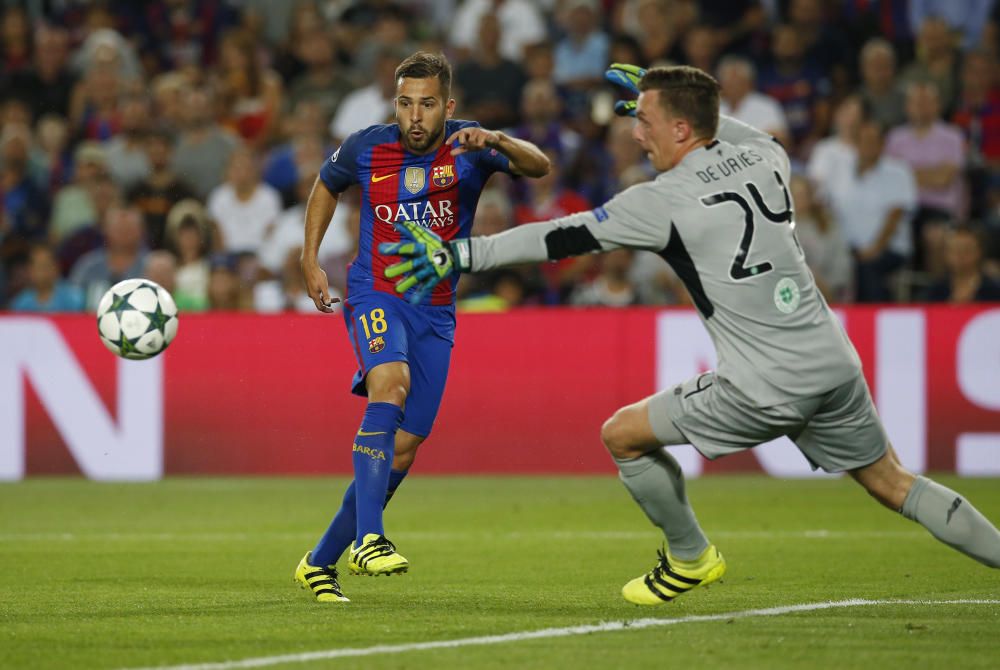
{"x": 656, "y": 482}
{"x": 947, "y": 515}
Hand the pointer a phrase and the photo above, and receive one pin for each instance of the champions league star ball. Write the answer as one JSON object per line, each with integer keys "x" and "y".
{"x": 136, "y": 319}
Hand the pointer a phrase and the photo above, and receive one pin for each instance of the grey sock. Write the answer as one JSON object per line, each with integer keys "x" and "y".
{"x": 656, "y": 482}
{"x": 952, "y": 519}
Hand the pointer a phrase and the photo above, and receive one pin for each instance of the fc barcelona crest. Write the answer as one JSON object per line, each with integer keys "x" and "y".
{"x": 414, "y": 179}
{"x": 376, "y": 344}
{"x": 442, "y": 175}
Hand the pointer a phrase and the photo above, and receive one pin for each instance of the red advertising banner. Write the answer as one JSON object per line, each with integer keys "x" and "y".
{"x": 527, "y": 393}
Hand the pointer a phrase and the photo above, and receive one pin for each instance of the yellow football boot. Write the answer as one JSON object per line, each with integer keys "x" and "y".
{"x": 671, "y": 577}
{"x": 321, "y": 581}
{"x": 376, "y": 556}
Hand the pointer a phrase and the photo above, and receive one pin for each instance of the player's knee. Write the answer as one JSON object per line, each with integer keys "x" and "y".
{"x": 393, "y": 389}
{"x": 614, "y": 435}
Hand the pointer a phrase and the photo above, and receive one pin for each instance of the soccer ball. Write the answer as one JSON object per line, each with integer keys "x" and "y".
{"x": 136, "y": 319}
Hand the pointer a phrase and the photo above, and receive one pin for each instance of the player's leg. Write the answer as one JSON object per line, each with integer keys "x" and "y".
{"x": 635, "y": 436}
{"x": 944, "y": 513}
{"x": 654, "y": 477}
{"x": 343, "y": 529}
{"x": 379, "y": 339}
{"x": 374, "y": 448}
{"x": 845, "y": 434}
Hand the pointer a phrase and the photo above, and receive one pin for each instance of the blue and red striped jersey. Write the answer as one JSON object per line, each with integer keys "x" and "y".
{"x": 437, "y": 190}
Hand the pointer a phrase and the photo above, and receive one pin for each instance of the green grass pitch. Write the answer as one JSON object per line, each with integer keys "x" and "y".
{"x": 192, "y": 571}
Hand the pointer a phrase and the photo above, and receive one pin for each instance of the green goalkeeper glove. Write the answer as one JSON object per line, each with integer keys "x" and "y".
{"x": 427, "y": 259}
{"x": 626, "y": 76}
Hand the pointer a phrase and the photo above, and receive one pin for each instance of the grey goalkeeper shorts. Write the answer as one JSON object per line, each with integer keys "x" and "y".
{"x": 836, "y": 431}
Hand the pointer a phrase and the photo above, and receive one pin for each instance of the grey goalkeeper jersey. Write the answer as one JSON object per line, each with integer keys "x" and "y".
{"x": 723, "y": 219}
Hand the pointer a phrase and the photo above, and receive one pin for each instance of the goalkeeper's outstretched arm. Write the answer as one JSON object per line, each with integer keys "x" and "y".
{"x": 634, "y": 219}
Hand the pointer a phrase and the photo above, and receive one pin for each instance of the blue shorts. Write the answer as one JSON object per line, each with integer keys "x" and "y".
{"x": 384, "y": 329}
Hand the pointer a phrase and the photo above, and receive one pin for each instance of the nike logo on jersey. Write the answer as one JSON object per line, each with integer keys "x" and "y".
{"x": 376, "y": 178}
{"x": 365, "y": 433}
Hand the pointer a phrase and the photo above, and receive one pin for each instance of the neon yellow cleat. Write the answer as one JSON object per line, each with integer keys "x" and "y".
{"x": 670, "y": 578}
{"x": 376, "y": 556}
{"x": 321, "y": 581}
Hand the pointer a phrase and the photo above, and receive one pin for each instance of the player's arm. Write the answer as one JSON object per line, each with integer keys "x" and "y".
{"x": 339, "y": 172}
{"x": 319, "y": 211}
{"x": 634, "y": 219}
{"x": 525, "y": 158}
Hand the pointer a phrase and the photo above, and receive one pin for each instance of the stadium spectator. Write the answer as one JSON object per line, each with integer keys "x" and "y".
{"x": 189, "y": 236}
{"x": 338, "y": 244}
{"x": 155, "y": 195}
{"x": 204, "y": 148}
{"x": 122, "y": 256}
{"x": 389, "y": 30}
{"x": 611, "y": 287}
{"x": 965, "y": 282}
{"x": 880, "y": 93}
{"x": 872, "y": 204}
{"x": 47, "y": 84}
{"x": 540, "y": 112}
{"x": 371, "y": 104}
{"x": 103, "y": 194}
{"x": 53, "y": 157}
{"x": 978, "y": 115}
{"x": 937, "y": 60}
{"x": 16, "y": 44}
{"x": 322, "y": 82}
{"x": 967, "y": 19}
{"x": 548, "y": 198}
{"x": 826, "y": 50}
{"x": 658, "y": 26}
{"x": 700, "y": 48}
{"x": 521, "y": 24}
{"x": 161, "y": 267}
{"x": 738, "y": 99}
{"x": 93, "y": 109}
{"x": 582, "y": 54}
{"x": 251, "y": 94}
{"x": 127, "y": 161}
{"x": 802, "y": 90}
{"x": 490, "y": 84}
{"x": 826, "y": 252}
{"x": 935, "y": 151}
{"x": 836, "y": 153}
{"x": 285, "y": 163}
{"x": 46, "y": 291}
{"x": 25, "y": 206}
{"x": 506, "y": 288}
{"x": 285, "y": 292}
{"x": 740, "y": 25}
{"x": 244, "y": 207}
{"x": 168, "y": 92}
{"x": 73, "y": 207}
{"x": 224, "y": 291}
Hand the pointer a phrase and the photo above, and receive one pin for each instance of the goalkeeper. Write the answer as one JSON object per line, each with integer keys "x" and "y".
{"x": 719, "y": 212}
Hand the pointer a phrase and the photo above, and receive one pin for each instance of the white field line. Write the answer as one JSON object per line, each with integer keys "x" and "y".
{"x": 444, "y": 536}
{"x": 607, "y": 627}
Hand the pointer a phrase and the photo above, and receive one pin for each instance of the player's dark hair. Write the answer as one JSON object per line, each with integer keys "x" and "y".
{"x": 688, "y": 93}
{"x": 424, "y": 65}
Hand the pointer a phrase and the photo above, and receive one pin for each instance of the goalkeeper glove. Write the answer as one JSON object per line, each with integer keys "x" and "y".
{"x": 427, "y": 259}
{"x": 626, "y": 76}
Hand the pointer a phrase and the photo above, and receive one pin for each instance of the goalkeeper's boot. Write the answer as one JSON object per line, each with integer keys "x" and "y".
{"x": 670, "y": 578}
{"x": 376, "y": 556}
{"x": 321, "y": 581}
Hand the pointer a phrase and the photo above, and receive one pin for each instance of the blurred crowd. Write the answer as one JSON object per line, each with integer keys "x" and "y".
{"x": 178, "y": 139}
